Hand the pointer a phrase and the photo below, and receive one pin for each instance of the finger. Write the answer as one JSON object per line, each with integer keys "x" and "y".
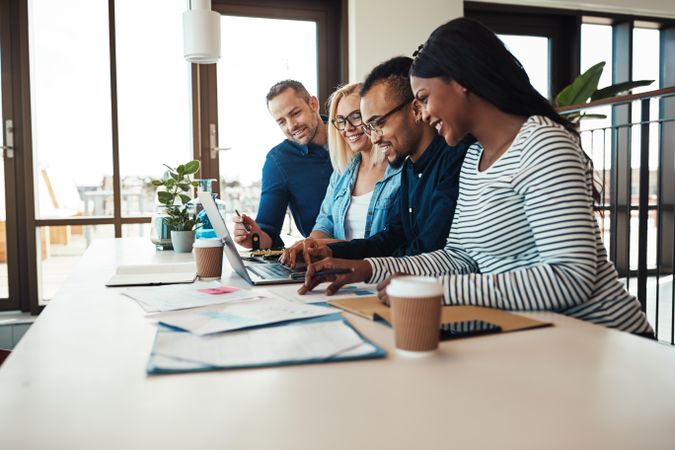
{"x": 306, "y": 256}
{"x": 336, "y": 285}
{"x": 383, "y": 284}
{"x": 311, "y": 270}
{"x": 310, "y": 284}
{"x": 315, "y": 254}
{"x": 382, "y": 296}
{"x": 249, "y": 221}
{"x": 293, "y": 255}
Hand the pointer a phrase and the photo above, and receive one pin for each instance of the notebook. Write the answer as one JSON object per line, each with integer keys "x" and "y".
{"x": 153, "y": 274}
{"x": 256, "y": 273}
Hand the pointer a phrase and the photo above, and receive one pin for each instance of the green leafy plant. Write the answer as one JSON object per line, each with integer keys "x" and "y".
{"x": 177, "y": 183}
{"x": 585, "y": 88}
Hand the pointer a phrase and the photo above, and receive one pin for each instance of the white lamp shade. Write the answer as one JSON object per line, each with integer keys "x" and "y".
{"x": 201, "y": 36}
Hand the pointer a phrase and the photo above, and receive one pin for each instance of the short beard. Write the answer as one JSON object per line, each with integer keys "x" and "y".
{"x": 397, "y": 162}
{"x": 310, "y": 138}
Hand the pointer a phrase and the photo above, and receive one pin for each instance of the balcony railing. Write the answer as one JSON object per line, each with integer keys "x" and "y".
{"x": 634, "y": 157}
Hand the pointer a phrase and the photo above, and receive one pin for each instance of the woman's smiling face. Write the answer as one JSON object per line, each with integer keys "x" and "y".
{"x": 354, "y": 136}
{"x": 443, "y": 106}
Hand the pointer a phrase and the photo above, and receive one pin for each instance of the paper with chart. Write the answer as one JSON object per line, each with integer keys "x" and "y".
{"x": 238, "y": 315}
{"x": 318, "y": 294}
{"x": 174, "y": 297}
{"x": 296, "y": 342}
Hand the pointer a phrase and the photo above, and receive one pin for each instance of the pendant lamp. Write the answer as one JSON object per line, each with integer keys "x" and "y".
{"x": 201, "y": 33}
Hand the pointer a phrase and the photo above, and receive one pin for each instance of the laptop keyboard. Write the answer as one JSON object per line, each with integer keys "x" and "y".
{"x": 270, "y": 270}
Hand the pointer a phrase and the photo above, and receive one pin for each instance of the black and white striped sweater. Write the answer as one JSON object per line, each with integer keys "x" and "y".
{"x": 524, "y": 236}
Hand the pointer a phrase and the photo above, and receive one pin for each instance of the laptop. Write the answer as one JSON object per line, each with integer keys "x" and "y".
{"x": 255, "y": 273}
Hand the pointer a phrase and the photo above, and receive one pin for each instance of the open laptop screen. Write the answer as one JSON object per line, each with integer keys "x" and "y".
{"x": 219, "y": 226}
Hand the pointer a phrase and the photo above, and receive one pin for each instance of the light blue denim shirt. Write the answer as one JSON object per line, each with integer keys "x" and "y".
{"x": 331, "y": 219}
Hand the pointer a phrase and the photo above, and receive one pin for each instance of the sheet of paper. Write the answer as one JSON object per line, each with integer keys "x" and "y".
{"x": 238, "y": 315}
{"x": 318, "y": 294}
{"x": 294, "y": 342}
{"x": 175, "y": 297}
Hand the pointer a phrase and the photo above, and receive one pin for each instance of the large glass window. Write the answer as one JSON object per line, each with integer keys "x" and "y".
{"x": 154, "y": 97}
{"x": 533, "y": 54}
{"x": 71, "y": 108}
{"x": 245, "y": 74}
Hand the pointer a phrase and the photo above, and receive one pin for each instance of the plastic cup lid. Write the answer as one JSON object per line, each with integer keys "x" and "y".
{"x": 208, "y": 243}
{"x": 415, "y": 286}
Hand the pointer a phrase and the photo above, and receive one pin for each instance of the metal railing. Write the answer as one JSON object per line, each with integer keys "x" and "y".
{"x": 634, "y": 157}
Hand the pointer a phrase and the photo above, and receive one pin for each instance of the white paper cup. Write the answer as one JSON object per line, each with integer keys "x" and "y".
{"x": 209, "y": 258}
{"x": 416, "y": 314}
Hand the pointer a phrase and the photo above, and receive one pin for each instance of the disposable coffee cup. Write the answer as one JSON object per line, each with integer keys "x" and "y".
{"x": 416, "y": 314}
{"x": 209, "y": 258}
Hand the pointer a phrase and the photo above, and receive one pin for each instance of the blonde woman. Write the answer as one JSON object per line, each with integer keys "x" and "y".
{"x": 363, "y": 187}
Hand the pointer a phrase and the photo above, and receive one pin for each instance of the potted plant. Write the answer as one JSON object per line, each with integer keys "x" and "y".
{"x": 585, "y": 88}
{"x": 173, "y": 199}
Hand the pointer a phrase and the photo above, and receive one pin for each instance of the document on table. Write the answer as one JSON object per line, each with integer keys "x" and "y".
{"x": 238, "y": 315}
{"x": 170, "y": 298}
{"x": 298, "y": 342}
{"x": 318, "y": 294}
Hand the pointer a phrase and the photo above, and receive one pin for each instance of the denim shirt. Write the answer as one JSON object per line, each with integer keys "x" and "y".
{"x": 331, "y": 219}
{"x": 421, "y": 219}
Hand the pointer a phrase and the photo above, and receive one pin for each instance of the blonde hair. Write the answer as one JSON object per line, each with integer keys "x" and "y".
{"x": 340, "y": 152}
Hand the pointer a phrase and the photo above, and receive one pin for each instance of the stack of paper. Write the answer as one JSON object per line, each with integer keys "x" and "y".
{"x": 171, "y": 298}
{"x": 238, "y": 315}
{"x": 324, "y": 339}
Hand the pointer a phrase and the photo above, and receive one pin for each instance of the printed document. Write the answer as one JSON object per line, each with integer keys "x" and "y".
{"x": 201, "y": 293}
{"x": 238, "y": 315}
{"x": 296, "y": 342}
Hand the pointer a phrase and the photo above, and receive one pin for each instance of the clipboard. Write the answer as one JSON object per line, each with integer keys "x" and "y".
{"x": 371, "y": 309}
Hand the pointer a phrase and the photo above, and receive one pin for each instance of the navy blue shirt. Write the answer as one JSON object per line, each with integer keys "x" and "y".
{"x": 428, "y": 197}
{"x": 294, "y": 176}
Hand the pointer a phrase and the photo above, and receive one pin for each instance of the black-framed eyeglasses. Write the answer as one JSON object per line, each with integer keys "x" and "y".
{"x": 375, "y": 126}
{"x": 354, "y": 119}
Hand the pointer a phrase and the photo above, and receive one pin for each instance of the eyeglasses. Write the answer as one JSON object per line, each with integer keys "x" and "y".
{"x": 354, "y": 119}
{"x": 375, "y": 126}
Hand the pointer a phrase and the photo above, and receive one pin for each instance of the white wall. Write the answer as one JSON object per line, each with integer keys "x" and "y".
{"x": 381, "y": 29}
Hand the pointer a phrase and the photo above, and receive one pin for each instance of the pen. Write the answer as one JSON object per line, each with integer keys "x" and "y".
{"x": 246, "y": 227}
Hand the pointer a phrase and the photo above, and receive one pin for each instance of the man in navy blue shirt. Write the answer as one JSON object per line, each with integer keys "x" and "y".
{"x": 429, "y": 179}
{"x": 296, "y": 172}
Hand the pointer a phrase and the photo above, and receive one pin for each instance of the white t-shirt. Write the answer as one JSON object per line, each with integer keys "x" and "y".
{"x": 355, "y": 221}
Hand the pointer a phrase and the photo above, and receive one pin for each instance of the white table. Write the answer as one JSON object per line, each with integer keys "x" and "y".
{"x": 77, "y": 381}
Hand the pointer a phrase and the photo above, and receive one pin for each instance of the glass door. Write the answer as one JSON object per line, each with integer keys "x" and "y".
{"x": 245, "y": 126}
{"x": 8, "y": 218}
{"x": 260, "y": 46}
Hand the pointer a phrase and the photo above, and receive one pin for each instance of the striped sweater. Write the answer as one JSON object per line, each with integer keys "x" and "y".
{"x": 524, "y": 236}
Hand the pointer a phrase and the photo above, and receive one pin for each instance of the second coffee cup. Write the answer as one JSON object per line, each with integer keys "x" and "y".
{"x": 209, "y": 258}
{"x": 416, "y": 314}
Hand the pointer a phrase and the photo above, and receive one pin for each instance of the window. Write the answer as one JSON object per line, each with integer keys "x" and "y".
{"x": 243, "y": 119}
{"x": 78, "y": 114}
{"x": 153, "y": 97}
{"x": 533, "y": 54}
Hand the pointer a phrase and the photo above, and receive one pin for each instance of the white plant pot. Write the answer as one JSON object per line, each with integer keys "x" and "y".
{"x": 182, "y": 241}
